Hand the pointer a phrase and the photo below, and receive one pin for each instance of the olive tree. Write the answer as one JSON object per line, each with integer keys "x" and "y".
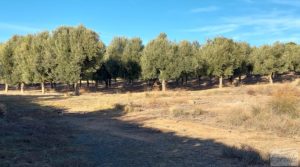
{"x": 159, "y": 60}
{"x": 73, "y": 46}
{"x": 221, "y": 56}
{"x": 269, "y": 60}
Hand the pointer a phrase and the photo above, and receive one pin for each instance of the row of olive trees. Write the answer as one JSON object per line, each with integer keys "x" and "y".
{"x": 71, "y": 54}
{"x": 64, "y": 55}
{"x": 220, "y": 57}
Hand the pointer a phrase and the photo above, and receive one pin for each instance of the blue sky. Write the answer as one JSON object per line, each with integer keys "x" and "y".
{"x": 255, "y": 21}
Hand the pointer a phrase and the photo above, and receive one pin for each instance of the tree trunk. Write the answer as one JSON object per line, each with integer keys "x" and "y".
{"x": 22, "y": 87}
{"x": 199, "y": 80}
{"x": 88, "y": 83}
{"x": 163, "y": 84}
{"x": 80, "y": 83}
{"x": 186, "y": 79}
{"x": 6, "y": 88}
{"x": 96, "y": 84}
{"x": 177, "y": 82}
{"x": 51, "y": 84}
{"x": 221, "y": 82}
{"x": 43, "y": 87}
{"x": 76, "y": 89}
{"x": 271, "y": 78}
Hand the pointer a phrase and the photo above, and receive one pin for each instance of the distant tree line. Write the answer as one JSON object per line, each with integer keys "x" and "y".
{"x": 71, "y": 54}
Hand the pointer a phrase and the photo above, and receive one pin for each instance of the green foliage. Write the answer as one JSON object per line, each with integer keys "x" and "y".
{"x": 113, "y": 56}
{"x": 221, "y": 55}
{"x": 76, "y": 50}
{"x": 23, "y": 71}
{"x": 43, "y": 57}
{"x": 131, "y": 59}
{"x": 70, "y": 54}
{"x": 243, "y": 63}
{"x": 186, "y": 57}
{"x": 158, "y": 60}
{"x": 6, "y": 63}
{"x": 292, "y": 55}
{"x": 123, "y": 58}
{"x": 270, "y": 59}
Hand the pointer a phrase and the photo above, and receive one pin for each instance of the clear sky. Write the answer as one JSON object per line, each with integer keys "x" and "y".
{"x": 255, "y": 21}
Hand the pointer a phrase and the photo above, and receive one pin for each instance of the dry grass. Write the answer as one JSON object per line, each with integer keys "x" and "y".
{"x": 186, "y": 112}
{"x": 262, "y": 108}
{"x": 280, "y": 114}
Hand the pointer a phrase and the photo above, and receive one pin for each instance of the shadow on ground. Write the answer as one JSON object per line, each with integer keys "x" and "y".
{"x": 35, "y": 135}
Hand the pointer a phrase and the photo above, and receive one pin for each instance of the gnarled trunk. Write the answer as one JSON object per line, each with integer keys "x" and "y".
{"x": 22, "y": 87}
{"x": 76, "y": 89}
{"x": 43, "y": 87}
{"x": 6, "y": 88}
{"x": 221, "y": 82}
{"x": 271, "y": 78}
{"x": 164, "y": 85}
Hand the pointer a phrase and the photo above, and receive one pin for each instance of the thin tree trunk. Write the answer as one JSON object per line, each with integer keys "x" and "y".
{"x": 43, "y": 87}
{"x": 221, "y": 82}
{"x": 199, "y": 80}
{"x": 51, "y": 85}
{"x": 177, "y": 82}
{"x": 76, "y": 89}
{"x": 271, "y": 78}
{"x": 186, "y": 79}
{"x": 88, "y": 83}
{"x": 96, "y": 84}
{"x": 80, "y": 83}
{"x": 22, "y": 87}
{"x": 6, "y": 88}
{"x": 163, "y": 84}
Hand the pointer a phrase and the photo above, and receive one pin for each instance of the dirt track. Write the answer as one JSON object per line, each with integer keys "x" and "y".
{"x": 108, "y": 141}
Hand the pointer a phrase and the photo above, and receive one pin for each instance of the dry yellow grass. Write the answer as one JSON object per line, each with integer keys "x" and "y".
{"x": 232, "y": 116}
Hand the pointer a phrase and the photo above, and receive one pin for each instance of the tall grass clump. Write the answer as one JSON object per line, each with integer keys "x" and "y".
{"x": 285, "y": 101}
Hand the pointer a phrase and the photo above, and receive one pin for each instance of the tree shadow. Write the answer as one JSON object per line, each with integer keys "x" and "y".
{"x": 36, "y": 135}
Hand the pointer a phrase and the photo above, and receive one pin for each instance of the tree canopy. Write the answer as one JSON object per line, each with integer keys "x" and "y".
{"x": 70, "y": 54}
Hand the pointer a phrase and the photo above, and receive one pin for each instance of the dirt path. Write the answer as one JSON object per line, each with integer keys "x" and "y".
{"x": 107, "y": 140}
